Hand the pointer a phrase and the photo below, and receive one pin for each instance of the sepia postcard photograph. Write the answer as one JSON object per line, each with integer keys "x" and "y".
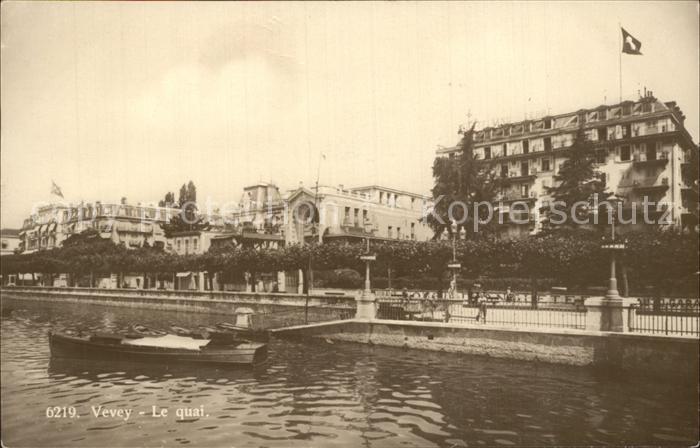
{"x": 349, "y": 224}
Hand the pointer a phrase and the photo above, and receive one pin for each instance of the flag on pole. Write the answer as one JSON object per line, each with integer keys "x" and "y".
{"x": 55, "y": 189}
{"x": 630, "y": 45}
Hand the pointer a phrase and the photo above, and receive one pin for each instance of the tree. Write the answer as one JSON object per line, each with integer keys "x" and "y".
{"x": 577, "y": 182}
{"x": 182, "y": 199}
{"x": 460, "y": 183}
{"x": 168, "y": 201}
{"x": 187, "y": 219}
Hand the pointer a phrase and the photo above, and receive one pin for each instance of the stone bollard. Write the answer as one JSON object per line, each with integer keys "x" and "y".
{"x": 366, "y": 305}
{"x": 244, "y": 317}
{"x": 608, "y": 314}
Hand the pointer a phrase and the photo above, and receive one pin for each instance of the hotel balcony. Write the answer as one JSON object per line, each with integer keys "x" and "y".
{"x": 642, "y": 162}
{"x": 510, "y": 198}
{"x": 516, "y": 217}
{"x": 353, "y": 229}
{"x": 517, "y": 198}
{"x": 644, "y": 187}
{"x": 521, "y": 178}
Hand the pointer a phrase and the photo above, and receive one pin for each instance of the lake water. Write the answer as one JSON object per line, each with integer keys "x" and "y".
{"x": 320, "y": 394}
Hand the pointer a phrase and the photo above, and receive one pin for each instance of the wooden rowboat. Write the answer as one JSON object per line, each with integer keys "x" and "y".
{"x": 217, "y": 348}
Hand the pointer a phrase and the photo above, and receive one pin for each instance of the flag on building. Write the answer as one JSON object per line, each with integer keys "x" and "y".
{"x": 55, "y": 189}
{"x": 630, "y": 45}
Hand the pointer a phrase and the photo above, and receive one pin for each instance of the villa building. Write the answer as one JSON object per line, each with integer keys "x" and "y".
{"x": 131, "y": 225}
{"x": 355, "y": 214}
{"x": 268, "y": 218}
{"x": 640, "y": 146}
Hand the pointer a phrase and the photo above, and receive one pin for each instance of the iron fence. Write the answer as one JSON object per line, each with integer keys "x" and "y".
{"x": 302, "y": 315}
{"x": 484, "y": 310}
{"x": 666, "y": 316}
{"x": 268, "y": 318}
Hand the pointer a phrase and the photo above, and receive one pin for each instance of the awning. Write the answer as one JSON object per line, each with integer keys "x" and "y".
{"x": 183, "y": 274}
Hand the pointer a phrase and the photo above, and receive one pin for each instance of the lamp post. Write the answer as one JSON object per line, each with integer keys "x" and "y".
{"x": 454, "y": 265}
{"x": 366, "y": 302}
{"x": 368, "y": 258}
{"x": 613, "y": 247}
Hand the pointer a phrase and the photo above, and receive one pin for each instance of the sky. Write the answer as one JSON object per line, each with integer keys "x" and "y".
{"x": 132, "y": 99}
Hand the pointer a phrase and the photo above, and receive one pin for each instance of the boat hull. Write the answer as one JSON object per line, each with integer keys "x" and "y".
{"x": 65, "y": 346}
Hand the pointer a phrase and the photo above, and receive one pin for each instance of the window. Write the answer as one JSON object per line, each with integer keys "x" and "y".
{"x": 546, "y": 165}
{"x": 364, "y": 216}
{"x": 195, "y": 243}
{"x": 524, "y": 169}
{"x": 600, "y": 155}
{"x": 547, "y": 144}
{"x": 413, "y": 230}
{"x": 347, "y": 214}
{"x": 381, "y": 193}
{"x": 651, "y": 151}
{"x": 526, "y": 146}
{"x": 524, "y": 190}
{"x": 4, "y": 244}
{"x": 504, "y": 170}
{"x": 626, "y": 109}
{"x": 187, "y": 245}
{"x": 602, "y": 114}
{"x": 625, "y": 153}
{"x": 398, "y": 232}
{"x": 356, "y": 217}
{"x": 390, "y": 232}
{"x": 602, "y": 134}
{"x": 646, "y": 108}
{"x": 548, "y": 123}
{"x": 178, "y": 243}
{"x": 487, "y": 152}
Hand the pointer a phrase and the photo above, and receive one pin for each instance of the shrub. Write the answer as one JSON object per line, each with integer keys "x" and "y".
{"x": 338, "y": 278}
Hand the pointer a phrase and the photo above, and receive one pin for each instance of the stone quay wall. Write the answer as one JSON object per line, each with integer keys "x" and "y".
{"x": 296, "y": 306}
{"x": 652, "y": 354}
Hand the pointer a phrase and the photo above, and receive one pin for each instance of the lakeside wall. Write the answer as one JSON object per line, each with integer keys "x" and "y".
{"x": 652, "y": 354}
{"x": 290, "y": 308}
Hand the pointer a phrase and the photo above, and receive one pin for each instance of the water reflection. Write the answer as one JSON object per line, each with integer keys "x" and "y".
{"x": 97, "y": 370}
{"x": 321, "y": 394}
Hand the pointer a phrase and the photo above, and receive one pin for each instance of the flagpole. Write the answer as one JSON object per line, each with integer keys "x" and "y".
{"x": 619, "y": 52}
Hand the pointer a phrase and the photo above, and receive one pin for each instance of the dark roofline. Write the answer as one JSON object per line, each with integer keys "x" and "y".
{"x": 675, "y": 109}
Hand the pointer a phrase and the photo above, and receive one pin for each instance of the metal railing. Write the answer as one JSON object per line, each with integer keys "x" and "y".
{"x": 484, "y": 310}
{"x": 302, "y": 315}
{"x": 666, "y": 316}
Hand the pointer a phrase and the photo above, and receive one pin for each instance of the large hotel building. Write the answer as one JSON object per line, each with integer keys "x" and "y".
{"x": 640, "y": 148}
{"x": 131, "y": 225}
